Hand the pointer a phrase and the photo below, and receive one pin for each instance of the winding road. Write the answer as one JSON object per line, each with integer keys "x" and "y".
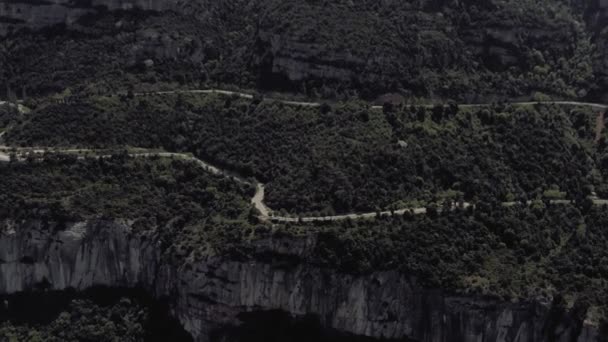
{"x": 598, "y": 106}
{"x": 266, "y": 214}
{"x": 257, "y": 200}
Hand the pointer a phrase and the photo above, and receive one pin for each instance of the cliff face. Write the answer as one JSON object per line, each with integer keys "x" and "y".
{"x": 211, "y": 293}
{"x": 36, "y": 14}
{"x": 462, "y": 50}
{"x": 35, "y": 255}
{"x": 596, "y": 16}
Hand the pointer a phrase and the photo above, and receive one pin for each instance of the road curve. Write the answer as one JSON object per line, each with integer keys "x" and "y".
{"x": 265, "y": 213}
{"x": 257, "y": 200}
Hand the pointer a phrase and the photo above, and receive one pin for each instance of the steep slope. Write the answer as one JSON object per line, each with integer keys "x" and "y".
{"x": 470, "y": 51}
{"x": 492, "y": 274}
{"x": 596, "y": 16}
{"x": 213, "y": 292}
{"x": 349, "y": 157}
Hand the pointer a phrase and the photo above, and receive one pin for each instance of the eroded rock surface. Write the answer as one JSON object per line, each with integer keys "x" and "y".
{"x": 211, "y": 293}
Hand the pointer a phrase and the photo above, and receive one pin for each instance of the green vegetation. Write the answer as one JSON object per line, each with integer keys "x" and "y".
{"x": 108, "y": 51}
{"x": 94, "y": 315}
{"x": 508, "y": 252}
{"x": 188, "y": 208}
{"x": 349, "y": 157}
{"x": 503, "y": 152}
{"x": 84, "y": 321}
{"x": 62, "y": 188}
{"x": 192, "y": 212}
{"x": 512, "y": 253}
{"x": 332, "y": 159}
{"x": 8, "y": 116}
{"x": 463, "y": 50}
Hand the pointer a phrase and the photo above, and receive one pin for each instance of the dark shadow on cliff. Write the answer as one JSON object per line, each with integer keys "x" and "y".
{"x": 279, "y": 326}
{"x": 41, "y": 308}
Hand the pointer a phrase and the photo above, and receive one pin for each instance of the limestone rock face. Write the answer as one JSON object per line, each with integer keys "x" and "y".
{"x": 36, "y": 14}
{"x": 417, "y": 52}
{"x": 210, "y": 293}
{"x": 597, "y": 20}
{"x": 83, "y": 255}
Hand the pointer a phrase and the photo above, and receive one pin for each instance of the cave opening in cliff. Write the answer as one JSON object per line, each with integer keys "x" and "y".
{"x": 279, "y": 326}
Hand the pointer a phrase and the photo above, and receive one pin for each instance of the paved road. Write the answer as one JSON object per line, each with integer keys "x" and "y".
{"x": 317, "y": 104}
{"x": 598, "y": 106}
{"x": 266, "y": 213}
{"x": 229, "y": 93}
{"x": 258, "y": 199}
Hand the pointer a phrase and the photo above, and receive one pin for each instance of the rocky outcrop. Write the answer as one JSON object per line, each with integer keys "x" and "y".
{"x": 36, "y": 14}
{"x": 439, "y": 49}
{"x": 596, "y": 16}
{"x": 300, "y": 60}
{"x": 211, "y": 293}
{"x": 37, "y": 255}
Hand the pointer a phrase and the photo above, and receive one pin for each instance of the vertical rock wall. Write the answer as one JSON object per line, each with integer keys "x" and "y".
{"x": 213, "y": 292}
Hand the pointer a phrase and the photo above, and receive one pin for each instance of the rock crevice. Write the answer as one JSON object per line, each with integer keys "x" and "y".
{"x": 211, "y": 293}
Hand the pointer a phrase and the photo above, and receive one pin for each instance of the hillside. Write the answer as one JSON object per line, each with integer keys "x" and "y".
{"x": 501, "y": 260}
{"x": 349, "y": 157}
{"x": 304, "y": 170}
{"x": 463, "y": 50}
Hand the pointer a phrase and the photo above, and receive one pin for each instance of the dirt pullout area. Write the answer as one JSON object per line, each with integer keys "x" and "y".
{"x": 599, "y": 125}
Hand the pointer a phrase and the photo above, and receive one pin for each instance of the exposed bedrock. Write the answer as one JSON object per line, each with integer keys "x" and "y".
{"x": 40, "y": 13}
{"x": 211, "y": 293}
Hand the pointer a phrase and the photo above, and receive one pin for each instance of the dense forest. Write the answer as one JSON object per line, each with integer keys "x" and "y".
{"x": 550, "y": 251}
{"x": 8, "y": 116}
{"x": 86, "y": 84}
{"x": 463, "y": 50}
{"x": 349, "y": 157}
{"x": 172, "y": 199}
{"x": 516, "y": 252}
{"x": 445, "y": 248}
{"x": 64, "y": 188}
